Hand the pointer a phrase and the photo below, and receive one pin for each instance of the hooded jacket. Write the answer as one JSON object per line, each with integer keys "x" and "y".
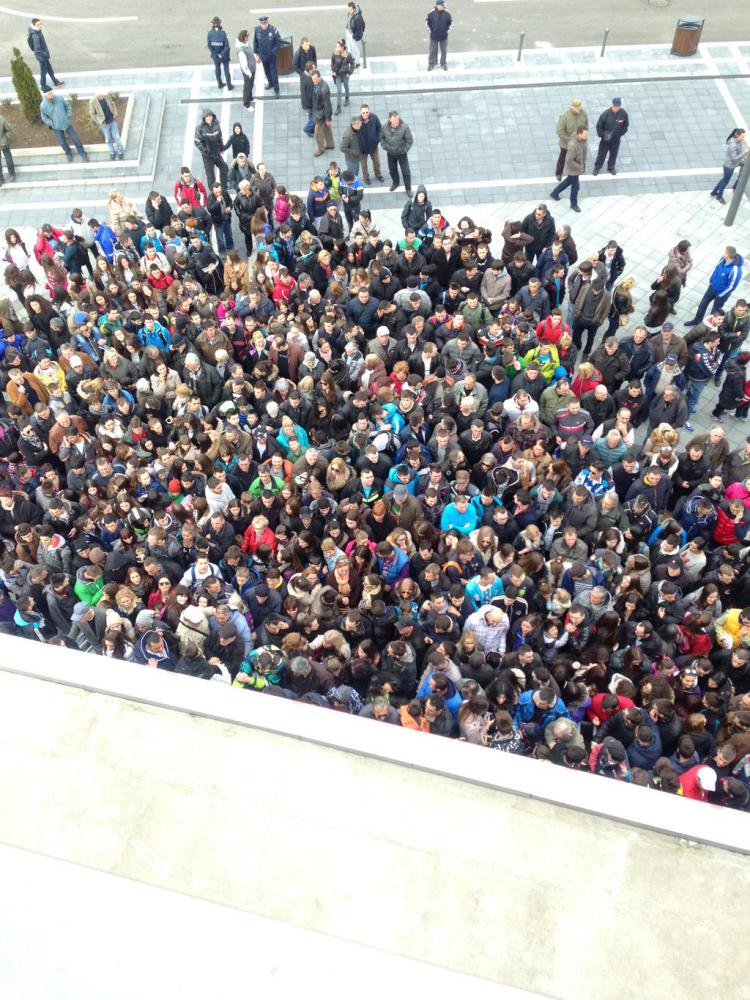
{"x": 208, "y": 138}
{"x": 726, "y": 276}
{"x": 165, "y": 660}
{"x": 415, "y": 214}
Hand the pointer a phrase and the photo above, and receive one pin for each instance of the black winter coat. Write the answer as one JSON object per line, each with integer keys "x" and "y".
{"x": 733, "y": 389}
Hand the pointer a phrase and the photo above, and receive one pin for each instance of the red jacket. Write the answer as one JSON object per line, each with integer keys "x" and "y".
{"x": 595, "y": 710}
{"x": 689, "y": 784}
{"x": 43, "y": 245}
{"x": 252, "y": 540}
{"x": 195, "y": 193}
{"x": 550, "y": 334}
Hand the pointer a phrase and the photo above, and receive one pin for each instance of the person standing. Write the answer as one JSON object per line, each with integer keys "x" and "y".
{"x": 210, "y": 143}
{"x": 732, "y": 395}
{"x": 38, "y": 45}
{"x": 350, "y": 146}
{"x": 305, "y": 53}
{"x": 266, "y": 43}
{"x": 102, "y": 109}
{"x": 322, "y": 113}
{"x": 575, "y": 165}
{"x": 702, "y": 366}
{"x": 397, "y": 140}
{"x": 5, "y": 131}
{"x": 220, "y": 209}
{"x": 567, "y": 126}
{"x": 355, "y": 31}
{"x": 734, "y": 156}
{"x": 57, "y": 113}
{"x": 306, "y": 89}
{"x": 725, "y": 277}
{"x": 246, "y": 59}
{"x": 438, "y": 23}
{"x": 369, "y": 141}
{"x": 342, "y": 67}
{"x": 611, "y": 127}
{"x": 218, "y": 46}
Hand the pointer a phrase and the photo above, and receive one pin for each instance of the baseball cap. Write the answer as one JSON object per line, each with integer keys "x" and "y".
{"x": 79, "y": 611}
{"x": 671, "y": 359}
{"x": 616, "y": 102}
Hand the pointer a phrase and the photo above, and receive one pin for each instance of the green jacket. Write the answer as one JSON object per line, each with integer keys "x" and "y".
{"x": 95, "y": 109}
{"x": 568, "y": 124}
{"x": 5, "y": 131}
{"x": 89, "y": 591}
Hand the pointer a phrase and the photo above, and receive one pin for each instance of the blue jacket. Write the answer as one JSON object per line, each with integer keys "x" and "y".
{"x": 56, "y": 113}
{"x": 218, "y": 44}
{"x": 392, "y": 572}
{"x": 651, "y": 378}
{"x": 726, "y": 277}
{"x": 464, "y": 523}
{"x": 694, "y": 525}
{"x": 158, "y": 337}
{"x": 645, "y": 757}
{"x": 479, "y": 596}
{"x": 453, "y": 700}
{"x": 106, "y": 239}
{"x": 526, "y": 709}
{"x": 266, "y": 43}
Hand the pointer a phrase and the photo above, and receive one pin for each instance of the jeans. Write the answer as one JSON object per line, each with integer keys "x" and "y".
{"x": 402, "y": 161}
{"x": 342, "y": 83}
{"x": 352, "y": 165}
{"x": 45, "y": 69}
{"x": 112, "y": 137}
{"x": 432, "y": 58}
{"x": 8, "y": 161}
{"x": 309, "y": 127}
{"x": 709, "y": 296}
{"x": 572, "y": 181}
{"x": 248, "y": 82}
{"x": 71, "y": 134}
{"x": 720, "y": 185}
{"x": 218, "y": 63}
{"x": 612, "y": 148}
{"x": 224, "y": 238}
{"x": 693, "y": 392}
{"x": 269, "y": 68}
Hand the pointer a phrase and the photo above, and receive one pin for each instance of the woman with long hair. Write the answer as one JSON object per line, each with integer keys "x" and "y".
{"x": 735, "y": 152}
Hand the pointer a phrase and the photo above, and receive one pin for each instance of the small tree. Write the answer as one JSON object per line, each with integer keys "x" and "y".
{"x": 26, "y": 87}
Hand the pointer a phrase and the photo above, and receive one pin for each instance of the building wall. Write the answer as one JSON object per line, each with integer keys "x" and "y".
{"x": 469, "y": 877}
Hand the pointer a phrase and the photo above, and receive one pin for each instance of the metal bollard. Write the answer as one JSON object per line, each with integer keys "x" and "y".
{"x": 364, "y": 53}
{"x": 742, "y": 182}
{"x": 520, "y": 45}
{"x": 604, "y": 42}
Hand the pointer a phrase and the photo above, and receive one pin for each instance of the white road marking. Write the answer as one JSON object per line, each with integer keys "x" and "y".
{"x": 192, "y": 118}
{"x": 722, "y": 87}
{"x": 256, "y": 153}
{"x": 294, "y": 10}
{"x": 66, "y": 20}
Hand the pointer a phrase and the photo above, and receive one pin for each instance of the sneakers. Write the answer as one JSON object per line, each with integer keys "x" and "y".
{"x": 721, "y": 199}
{"x": 689, "y": 426}
{"x": 11, "y": 177}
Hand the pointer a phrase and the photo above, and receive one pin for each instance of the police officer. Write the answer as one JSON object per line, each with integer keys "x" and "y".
{"x": 266, "y": 43}
{"x": 611, "y": 127}
{"x": 218, "y": 46}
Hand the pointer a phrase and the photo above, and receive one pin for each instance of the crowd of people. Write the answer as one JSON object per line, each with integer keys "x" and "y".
{"x": 384, "y": 473}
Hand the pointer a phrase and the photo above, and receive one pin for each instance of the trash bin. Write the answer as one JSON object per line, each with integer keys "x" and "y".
{"x": 687, "y": 36}
{"x": 285, "y": 56}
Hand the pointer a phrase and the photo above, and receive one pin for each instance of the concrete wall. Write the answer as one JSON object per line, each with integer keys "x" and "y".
{"x": 470, "y": 877}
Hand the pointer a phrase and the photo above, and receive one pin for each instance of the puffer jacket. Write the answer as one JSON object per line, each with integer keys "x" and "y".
{"x": 208, "y": 137}
{"x": 396, "y": 141}
{"x": 415, "y": 213}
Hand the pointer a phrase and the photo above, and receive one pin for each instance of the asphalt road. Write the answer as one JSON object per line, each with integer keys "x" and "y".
{"x": 174, "y": 34}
